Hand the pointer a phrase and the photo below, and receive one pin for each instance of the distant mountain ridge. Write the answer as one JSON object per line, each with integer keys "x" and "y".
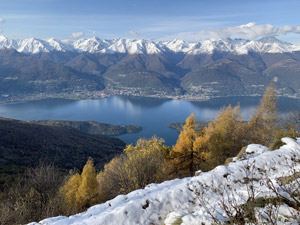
{"x": 92, "y": 68}
{"x": 142, "y": 46}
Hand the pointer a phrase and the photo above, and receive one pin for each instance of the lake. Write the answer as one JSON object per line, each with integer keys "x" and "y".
{"x": 152, "y": 114}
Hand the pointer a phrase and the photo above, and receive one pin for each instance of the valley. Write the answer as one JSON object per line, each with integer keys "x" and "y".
{"x": 32, "y": 69}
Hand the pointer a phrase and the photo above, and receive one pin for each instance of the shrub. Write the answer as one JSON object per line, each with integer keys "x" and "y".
{"x": 138, "y": 166}
{"x": 34, "y": 196}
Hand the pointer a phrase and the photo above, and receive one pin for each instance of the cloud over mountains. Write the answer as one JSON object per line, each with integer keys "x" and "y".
{"x": 133, "y": 33}
{"x": 249, "y": 31}
{"x": 252, "y": 30}
{"x": 76, "y": 35}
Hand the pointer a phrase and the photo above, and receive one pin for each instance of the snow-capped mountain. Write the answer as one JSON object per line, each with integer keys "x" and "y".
{"x": 136, "y": 47}
{"x": 97, "y": 45}
{"x": 178, "y": 45}
{"x": 180, "y": 200}
{"x": 32, "y": 45}
{"x": 7, "y": 43}
{"x": 92, "y": 45}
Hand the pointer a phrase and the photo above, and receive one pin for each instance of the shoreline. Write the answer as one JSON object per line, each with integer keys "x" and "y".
{"x": 108, "y": 93}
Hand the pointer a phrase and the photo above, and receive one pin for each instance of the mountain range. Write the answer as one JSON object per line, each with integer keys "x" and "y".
{"x": 93, "y": 67}
{"x": 97, "y": 45}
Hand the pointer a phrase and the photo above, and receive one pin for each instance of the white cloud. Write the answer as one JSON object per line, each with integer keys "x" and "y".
{"x": 250, "y": 31}
{"x": 133, "y": 33}
{"x": 76, "y": 35}
{"x": 2, "y": 20}
{"x": 93, "y": 32}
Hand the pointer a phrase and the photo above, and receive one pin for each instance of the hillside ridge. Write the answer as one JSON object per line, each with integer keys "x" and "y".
{"x": 25, "y": 144}
{"x": 165, "y": 203}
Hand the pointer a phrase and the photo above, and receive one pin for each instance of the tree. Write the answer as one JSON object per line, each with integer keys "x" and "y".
{"x": 184, "y": 158}
{"x": 70, "y": 189}
{"x": 112, "y": 180}
{"x": 87, "y": 194}
{"x": 222, "y": 138}
{"x": 264, "y": 123}
{"x": 136, "y": 168}
{"x": 146, "y": 160}
{"x": 81, "y": 191}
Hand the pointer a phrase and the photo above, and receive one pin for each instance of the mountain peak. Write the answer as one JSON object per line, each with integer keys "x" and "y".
{"x": 141, "y": 46}
{"x": 2, "y": 38}
{"x": 272, "y": 40}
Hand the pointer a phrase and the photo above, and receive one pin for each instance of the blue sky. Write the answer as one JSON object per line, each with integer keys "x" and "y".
{"x": 151, "y": 19}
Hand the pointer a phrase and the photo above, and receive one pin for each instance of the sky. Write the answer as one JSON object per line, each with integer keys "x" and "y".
{"x": 191, "y": 20}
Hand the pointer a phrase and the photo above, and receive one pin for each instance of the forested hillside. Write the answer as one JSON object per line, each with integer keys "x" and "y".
{"x": 25, "y": 144}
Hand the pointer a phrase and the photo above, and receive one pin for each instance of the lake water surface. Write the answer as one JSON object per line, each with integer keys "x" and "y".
{"x": 153, "y": 115}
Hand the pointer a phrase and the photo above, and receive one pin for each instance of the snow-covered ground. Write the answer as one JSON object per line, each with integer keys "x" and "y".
{"x": 197, "y": 199}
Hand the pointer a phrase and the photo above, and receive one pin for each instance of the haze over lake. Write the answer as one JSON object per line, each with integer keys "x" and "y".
{"x": 153, "y": 115}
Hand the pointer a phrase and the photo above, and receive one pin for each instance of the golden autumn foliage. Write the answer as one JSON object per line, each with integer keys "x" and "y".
{"x": 150, "y": 161}
{"x": 70, "y": 189}
{"x": 146, "y": 159}
{"x": 209, "y": 147}
{"x": 184, "y": 158}
{"x": 188, "y": 135}
{"x": 87, "y": 190}
{"x": 81, "y": 191}
{"x": 223, "y": 137}
{"x": 264, "y": 123}
{"x": 136, "y": 168}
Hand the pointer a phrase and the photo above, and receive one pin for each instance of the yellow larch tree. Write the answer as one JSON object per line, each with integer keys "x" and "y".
{"x": 69, "y": 191}
{"x": 184, "y": 158}
{"x": 222, "y": 138}
{"x": 88, "y": 189}
{"x": 264, "y": 123}
{"x": 81, "y": 191}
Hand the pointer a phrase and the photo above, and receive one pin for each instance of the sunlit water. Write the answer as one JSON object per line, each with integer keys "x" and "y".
{"x": 153, "y": 115}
